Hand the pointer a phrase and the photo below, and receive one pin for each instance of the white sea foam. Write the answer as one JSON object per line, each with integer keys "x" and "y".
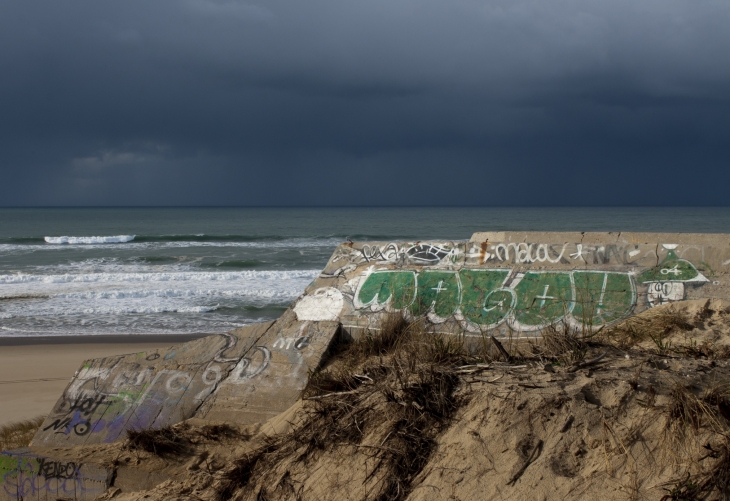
{"x": 102, "y": 328}
{"x": 297, "y": 243}
{"x": 174, "y": 300}
{"x": 283, "y": 292}
{"x": 21, "y": 278}
{"x": 121, "y": 309}
{"x": 102, "y": 265}
{"x": 116, "y": 239}
{"x": 136, "y": 310}
{"x": 123, "y": 289}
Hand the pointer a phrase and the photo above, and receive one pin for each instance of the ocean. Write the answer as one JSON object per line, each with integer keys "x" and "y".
{"x": 96, "y": 271}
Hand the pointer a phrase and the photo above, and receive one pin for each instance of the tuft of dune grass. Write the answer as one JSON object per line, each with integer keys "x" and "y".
{"x": 655, "y": 325}
{"x": 402, "y": 367}
{"x": 163, "y": 442}
{"x": 19, "y": 434}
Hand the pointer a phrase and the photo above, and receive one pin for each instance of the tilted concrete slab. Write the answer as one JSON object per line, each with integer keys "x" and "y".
{"x": 275, "y": 375}
{"x": 516, "y": 283}
{"x": 258, "y": 370}
{"x": 108, "y": 396}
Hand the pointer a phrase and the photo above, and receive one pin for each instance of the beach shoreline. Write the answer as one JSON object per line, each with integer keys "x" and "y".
{"x": 34, "y": 371}
{"x": 99, "y": 339}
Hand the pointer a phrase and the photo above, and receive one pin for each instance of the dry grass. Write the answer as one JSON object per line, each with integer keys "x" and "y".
{"x": 393, "y": 391}
{"x": 705, "y": 349}
{"x": 394, "y": 331}
{"x": 562, "y": 343}
{"x": 717, "y": 477}
{"x": 243, "y": 470}
{"x": 706, "y": 416}
{"x": 19, "y": 434}
{"x": 688, "y": 410}
{"x": 685, "y": 409}
{"x": 385, "y": 399}
{"x": 653, "y": 325}
{"x": 402, "y": 368}
{"x": 713, "y": 480}
{"x": 163, "y": 442}
{"x": 219, "y": 431}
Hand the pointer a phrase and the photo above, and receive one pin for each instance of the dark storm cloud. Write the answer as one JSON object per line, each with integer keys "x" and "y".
{"x": 380, "y": 102}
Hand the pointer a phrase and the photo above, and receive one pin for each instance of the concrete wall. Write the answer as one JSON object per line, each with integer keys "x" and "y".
{"x": 25, "y": 475}
{"x": 290, "y": 353}
{"x": 504, "y": 283}
{"x": 244, "y": 377}
{"x": 499, "y": 283}
{"x": 511, "y": 283}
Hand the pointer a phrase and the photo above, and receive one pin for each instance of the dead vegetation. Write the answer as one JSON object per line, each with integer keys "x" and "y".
{"x": 562, "y": 344}
{"x": 15, "y": 435}
{"x": 415, "y": 374}
{"x": 218, "y": 431}
{"x": 686, "y": 409}
{"x": 640, "y": 410}
{"x": 399, "y": 368}
{"x": 164, "y": 442}
{"x": 179, "y": 440}
{"x": 654, "y": 325}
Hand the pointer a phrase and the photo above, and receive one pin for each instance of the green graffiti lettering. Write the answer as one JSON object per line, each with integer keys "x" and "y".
{"x": 439, "y": 290}
{"x": 602, "y": 297}
{"x": 480, "y": 297}
{"x": 543, "y": 298}
{"x": 380, "y": 287}
{"x": 484, "y": 302}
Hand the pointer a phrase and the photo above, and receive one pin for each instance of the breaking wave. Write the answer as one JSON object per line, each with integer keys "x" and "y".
{"x": 19, "y": 278}
{"x": 117, "y": 239}
{"x": 200, "y": 238}
{"x": 136, "y": 243}
{"x": 284, "y": 292}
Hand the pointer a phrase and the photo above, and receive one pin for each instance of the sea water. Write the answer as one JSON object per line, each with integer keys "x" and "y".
{"x": 88, "y": 271}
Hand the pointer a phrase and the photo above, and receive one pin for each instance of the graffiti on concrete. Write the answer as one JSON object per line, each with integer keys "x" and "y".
{"x": 251, "y": 366}
{"x": 527, "y": 253}
{"x": 109, "y": 396}
{"x": 323, "y": 304}
{"x": 525, "y": 300}
{"x": 287, "y": 343}
{"x": 27, "y": 476}
{"x": 666, "y": 281}
{"x": 348, "y": 256}
{"x": 574, "y": 254}
{"x": 424, "y": 254}
{"x": 56, "y": 469}
{"x": 76, "y": 418}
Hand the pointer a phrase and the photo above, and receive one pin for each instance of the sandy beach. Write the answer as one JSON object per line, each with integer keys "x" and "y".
{"x": 34, "y": 371}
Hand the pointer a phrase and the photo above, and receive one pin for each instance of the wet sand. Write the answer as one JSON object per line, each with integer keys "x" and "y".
{"x": 35, "y": 370}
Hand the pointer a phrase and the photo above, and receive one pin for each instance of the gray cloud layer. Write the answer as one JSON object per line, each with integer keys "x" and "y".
{"x": 383, "y": 102}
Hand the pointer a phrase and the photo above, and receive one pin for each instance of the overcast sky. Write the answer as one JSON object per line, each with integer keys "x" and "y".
{"x": 377, "y": 102}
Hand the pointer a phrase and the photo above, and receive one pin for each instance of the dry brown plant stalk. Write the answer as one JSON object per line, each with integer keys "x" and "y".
{"x": 15, "y": 435}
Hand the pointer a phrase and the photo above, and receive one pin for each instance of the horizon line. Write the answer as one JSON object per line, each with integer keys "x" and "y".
{"x": 362, "y": 206}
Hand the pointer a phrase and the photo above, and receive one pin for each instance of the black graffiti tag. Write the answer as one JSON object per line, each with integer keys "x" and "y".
{"x": 87, "y": 406}
{"x": 56, "y": 469}
{"x": 61, "y": 425}
{"x": 81, "y": 426}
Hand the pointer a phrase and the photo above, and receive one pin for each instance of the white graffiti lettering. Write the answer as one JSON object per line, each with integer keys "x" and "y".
{"x": 524, "y": 253}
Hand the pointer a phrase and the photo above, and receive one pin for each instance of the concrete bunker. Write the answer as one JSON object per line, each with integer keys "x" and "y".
{"x": 495, "y": 284}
